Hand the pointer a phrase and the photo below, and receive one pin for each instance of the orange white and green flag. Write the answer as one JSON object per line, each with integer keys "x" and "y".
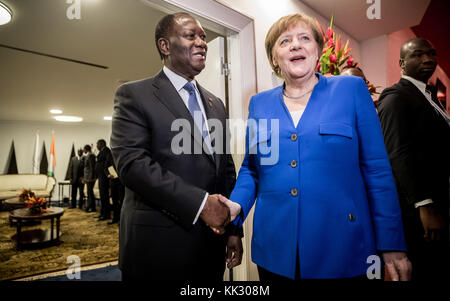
{"x": 51, "y": 168}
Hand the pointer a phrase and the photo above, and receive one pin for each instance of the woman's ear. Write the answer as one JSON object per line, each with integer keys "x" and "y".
{"x": 274, "y": 61}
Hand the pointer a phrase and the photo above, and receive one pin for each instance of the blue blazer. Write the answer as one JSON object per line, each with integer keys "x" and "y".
{"x": 329, "y": 193}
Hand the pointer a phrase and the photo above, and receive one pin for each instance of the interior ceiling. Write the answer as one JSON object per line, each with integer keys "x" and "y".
{"x": 116, "y": 34}
{"x": 351, "y": 15}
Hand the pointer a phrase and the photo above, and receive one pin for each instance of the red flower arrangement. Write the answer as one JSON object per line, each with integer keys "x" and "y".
{"x": 333, "y": 57}
{"x": 33, "y": 203}
{"x": 372, "y": 88}
{"x": 26, "y": 194}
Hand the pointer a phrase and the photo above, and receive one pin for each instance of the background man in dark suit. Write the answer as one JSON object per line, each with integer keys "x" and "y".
{"x": 170, "y": 198}
{"x": 417, "y": 138}
{"x": 117, "y": 189}
{"x": 76, "y": 168}
{"x": 89, "y": 177}
{"x": 103, "y": 180}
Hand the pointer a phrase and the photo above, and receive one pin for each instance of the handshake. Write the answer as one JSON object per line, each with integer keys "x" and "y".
{"x": 218, "y": 212}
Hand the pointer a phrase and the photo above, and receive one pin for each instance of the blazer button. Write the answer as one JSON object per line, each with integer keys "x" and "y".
{"x": 351, "y": 217}
{"x": 294, "y": 191}
{"x": 294, "y": 164}
{"x": 294, "y": 137}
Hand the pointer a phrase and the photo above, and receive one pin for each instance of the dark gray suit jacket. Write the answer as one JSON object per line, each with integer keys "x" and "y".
{"x": 89, "y": 167}
{"x": 76, "y": 168}
{"x": 164, "y": 191}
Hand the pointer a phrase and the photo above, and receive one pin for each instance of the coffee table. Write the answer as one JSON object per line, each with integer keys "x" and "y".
{"x": 14, "y": 203}
{"x": 36, "y": 237}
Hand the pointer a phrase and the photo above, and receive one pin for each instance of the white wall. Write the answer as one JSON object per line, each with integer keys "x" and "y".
{"x": 265, "y": 13}
{"x": 374, "y": 60}
{"x": 24, "y": 132}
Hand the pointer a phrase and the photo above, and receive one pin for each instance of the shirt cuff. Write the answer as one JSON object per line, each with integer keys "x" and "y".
{"x": 201, "y": 208}
{"x": 423, "y": 203}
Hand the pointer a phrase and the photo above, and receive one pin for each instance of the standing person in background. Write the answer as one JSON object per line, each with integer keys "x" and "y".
{"x": 117, "y": 189}
{"x": 89, "y": 177}
{"x": 76, "y": 169}
{"x": 355, "y": 71}
{"x": 101, "y": 170}
{"x": 417, "y": 137}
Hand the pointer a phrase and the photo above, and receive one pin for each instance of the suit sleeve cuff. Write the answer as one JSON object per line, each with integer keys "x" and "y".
{"x": 201, "y": 208}
{"x": 423, "y": 203}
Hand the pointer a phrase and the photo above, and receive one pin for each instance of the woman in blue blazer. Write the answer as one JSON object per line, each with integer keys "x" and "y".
{"x": 317, "y": 167}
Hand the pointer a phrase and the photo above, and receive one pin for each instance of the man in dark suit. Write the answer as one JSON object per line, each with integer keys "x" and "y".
{"x": 103, "y": 180}
{"x": 76, "y": 168}
{"x": 117, "y": 189}
{"x": 417, "y": 137}
{"x": 89, "y": 177}
{"x": 171, "y": 197}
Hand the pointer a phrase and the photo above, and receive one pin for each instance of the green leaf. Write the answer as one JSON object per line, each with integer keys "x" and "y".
{"x": 344, "y": 60}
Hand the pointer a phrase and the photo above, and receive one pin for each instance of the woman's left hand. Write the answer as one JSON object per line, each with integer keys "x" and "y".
{"x": 398, "y": 266}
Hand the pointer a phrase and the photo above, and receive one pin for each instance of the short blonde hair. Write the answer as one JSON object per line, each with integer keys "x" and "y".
{"x": 283, "y": 24}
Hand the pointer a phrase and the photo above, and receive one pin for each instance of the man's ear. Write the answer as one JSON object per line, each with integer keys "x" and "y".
{"x": 401, "y": 63}
{"x": 164, "y": 46}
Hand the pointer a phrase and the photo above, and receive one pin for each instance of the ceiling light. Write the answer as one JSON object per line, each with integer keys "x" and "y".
{"x": 107, "y": 118}
{"x": 5, "y": 14}
{"x": 68, "y": 118}
{"x": 56, "y": 111}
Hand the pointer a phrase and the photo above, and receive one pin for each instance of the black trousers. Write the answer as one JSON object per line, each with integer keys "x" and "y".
{"x": 78, "y": 187}
{"x": 91, "y": 196}
{"x": 265, "y": 275}
{"x": 430, "y": 259}
{"x": 103, "y": 186}
{"x": 117, "y": 195}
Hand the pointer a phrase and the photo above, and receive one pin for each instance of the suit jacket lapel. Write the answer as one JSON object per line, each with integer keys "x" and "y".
{"x": 209, "y": 102}
{"x": 170, "y": 98}
{"x": 413, "y": 89}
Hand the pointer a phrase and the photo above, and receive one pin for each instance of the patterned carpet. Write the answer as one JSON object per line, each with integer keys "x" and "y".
{"x": 82, "y": 235}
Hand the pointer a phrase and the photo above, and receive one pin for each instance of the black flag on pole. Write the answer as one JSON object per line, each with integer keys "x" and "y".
{"x": 11, "y": 163}
{"x": 72, "y": 154}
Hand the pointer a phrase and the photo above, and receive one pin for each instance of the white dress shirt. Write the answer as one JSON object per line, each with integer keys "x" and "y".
{"x": 178, "y": 83}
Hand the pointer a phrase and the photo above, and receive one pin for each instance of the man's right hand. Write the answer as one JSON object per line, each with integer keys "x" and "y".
{"x": 432, "y": 223}
{"x": 215, "y": 214}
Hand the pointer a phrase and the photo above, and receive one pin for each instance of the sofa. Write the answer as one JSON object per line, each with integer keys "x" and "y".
{"x": 12, "y": 185}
